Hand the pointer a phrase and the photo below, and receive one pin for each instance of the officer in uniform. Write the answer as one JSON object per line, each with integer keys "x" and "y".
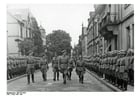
{"x": 63, "y": 65}
{"x": 30, "y": 68}
{"x": 70, "y": 67}
{"x": 55, "y": 67}
{"x": 80, "y": 69}
{"x": 44, "y": 68}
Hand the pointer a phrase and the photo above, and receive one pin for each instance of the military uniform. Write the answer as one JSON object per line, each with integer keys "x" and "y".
{"x": 63, "y": 66}
{"x": 8, "y": 70}
{"x": 130, "y": 66}
{"x": 114, "y": 67}
{"x": 70, "y": 68}
{"x": 80, "y": 70}
{"x": 30, "y": 69}
{"x": 55, "y": 68}
{"x": 121, "y": 68}
{"x": 44, "y": 68}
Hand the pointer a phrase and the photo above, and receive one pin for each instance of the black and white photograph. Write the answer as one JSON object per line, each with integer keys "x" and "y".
{"x": 70, "y": 47}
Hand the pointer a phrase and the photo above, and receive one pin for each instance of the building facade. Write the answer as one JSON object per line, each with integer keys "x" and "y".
{"x": 84, "y": 41}
{"x": 90, "y": 34}
{"x": 110, "y": 27}
{"x": 126, "y": 27}
{"x": 116, "y": 26}
{"x": 18, "y": 28}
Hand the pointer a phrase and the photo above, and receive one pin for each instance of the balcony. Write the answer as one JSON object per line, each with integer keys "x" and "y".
{"x": 107, "y": 23}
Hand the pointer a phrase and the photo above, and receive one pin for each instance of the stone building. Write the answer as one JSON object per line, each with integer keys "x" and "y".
{"x": 84, "y": 41}
{"x": 18, "y": 28}
{"x": 116, "y": 26}
{"x": 90, "y": 34}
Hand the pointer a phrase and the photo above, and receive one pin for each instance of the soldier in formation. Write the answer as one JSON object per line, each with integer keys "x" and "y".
{"x": 55, "y": 67}
{"x": 130, "y": 65}
{"x": 117, "y": 67}
{"x": 16, "y": 66}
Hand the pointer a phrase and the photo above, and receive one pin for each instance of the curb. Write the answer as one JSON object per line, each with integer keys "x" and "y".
{"x": 8, "y": 81}
{"x": 104, "y": 82}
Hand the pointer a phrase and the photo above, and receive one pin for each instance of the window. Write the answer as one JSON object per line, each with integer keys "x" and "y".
{"x": 21, "y": 32}
{"x": 115, "y": 42}
{"x": 128, "y": 36}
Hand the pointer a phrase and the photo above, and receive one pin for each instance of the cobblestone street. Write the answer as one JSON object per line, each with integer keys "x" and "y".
{"x": 90, "y": 84}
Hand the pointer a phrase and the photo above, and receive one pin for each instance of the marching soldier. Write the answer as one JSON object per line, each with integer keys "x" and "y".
{"x": 80, "y": 69}
{"x": 30, "y": 69}
{"x": 70, "y": 68}
{"x": 63, "y": 65}
{"x": 55, "y": 67}
{"x": 44, "y": 68}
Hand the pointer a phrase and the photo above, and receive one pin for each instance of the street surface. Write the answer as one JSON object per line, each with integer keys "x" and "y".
{"x": 90, "y": 84}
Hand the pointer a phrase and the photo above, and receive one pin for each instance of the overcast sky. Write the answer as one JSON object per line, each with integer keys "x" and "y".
{"x": 68, "y": 17}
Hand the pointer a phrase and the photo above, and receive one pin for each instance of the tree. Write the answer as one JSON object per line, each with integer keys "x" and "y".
{"x": 26, "y": 46}
{"x": 57, "y": 41}
{"x": 38, "y": 43}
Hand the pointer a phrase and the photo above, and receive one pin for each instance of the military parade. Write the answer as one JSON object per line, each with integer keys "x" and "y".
{"x": 99, "y": 58}
{"x": 113, "y": 67}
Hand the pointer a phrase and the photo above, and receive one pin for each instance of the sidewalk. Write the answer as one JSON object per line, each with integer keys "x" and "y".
{"x": 18, "y": 77}
{"x": 129, "y": 89}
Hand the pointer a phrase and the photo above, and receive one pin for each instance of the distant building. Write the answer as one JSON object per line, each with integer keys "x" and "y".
{"x": 84, "y": 41}
{"x": 43, "y": 34}
{"x": 90, "y": 34}
{"x": 110, "y": 27}
{"x": 18, "y": 28}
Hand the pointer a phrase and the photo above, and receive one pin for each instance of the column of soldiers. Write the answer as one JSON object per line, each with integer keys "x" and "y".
{"x": 117, "y": 67}
{"x": 17, "y": 66}
{"x": 65, "y": 65}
